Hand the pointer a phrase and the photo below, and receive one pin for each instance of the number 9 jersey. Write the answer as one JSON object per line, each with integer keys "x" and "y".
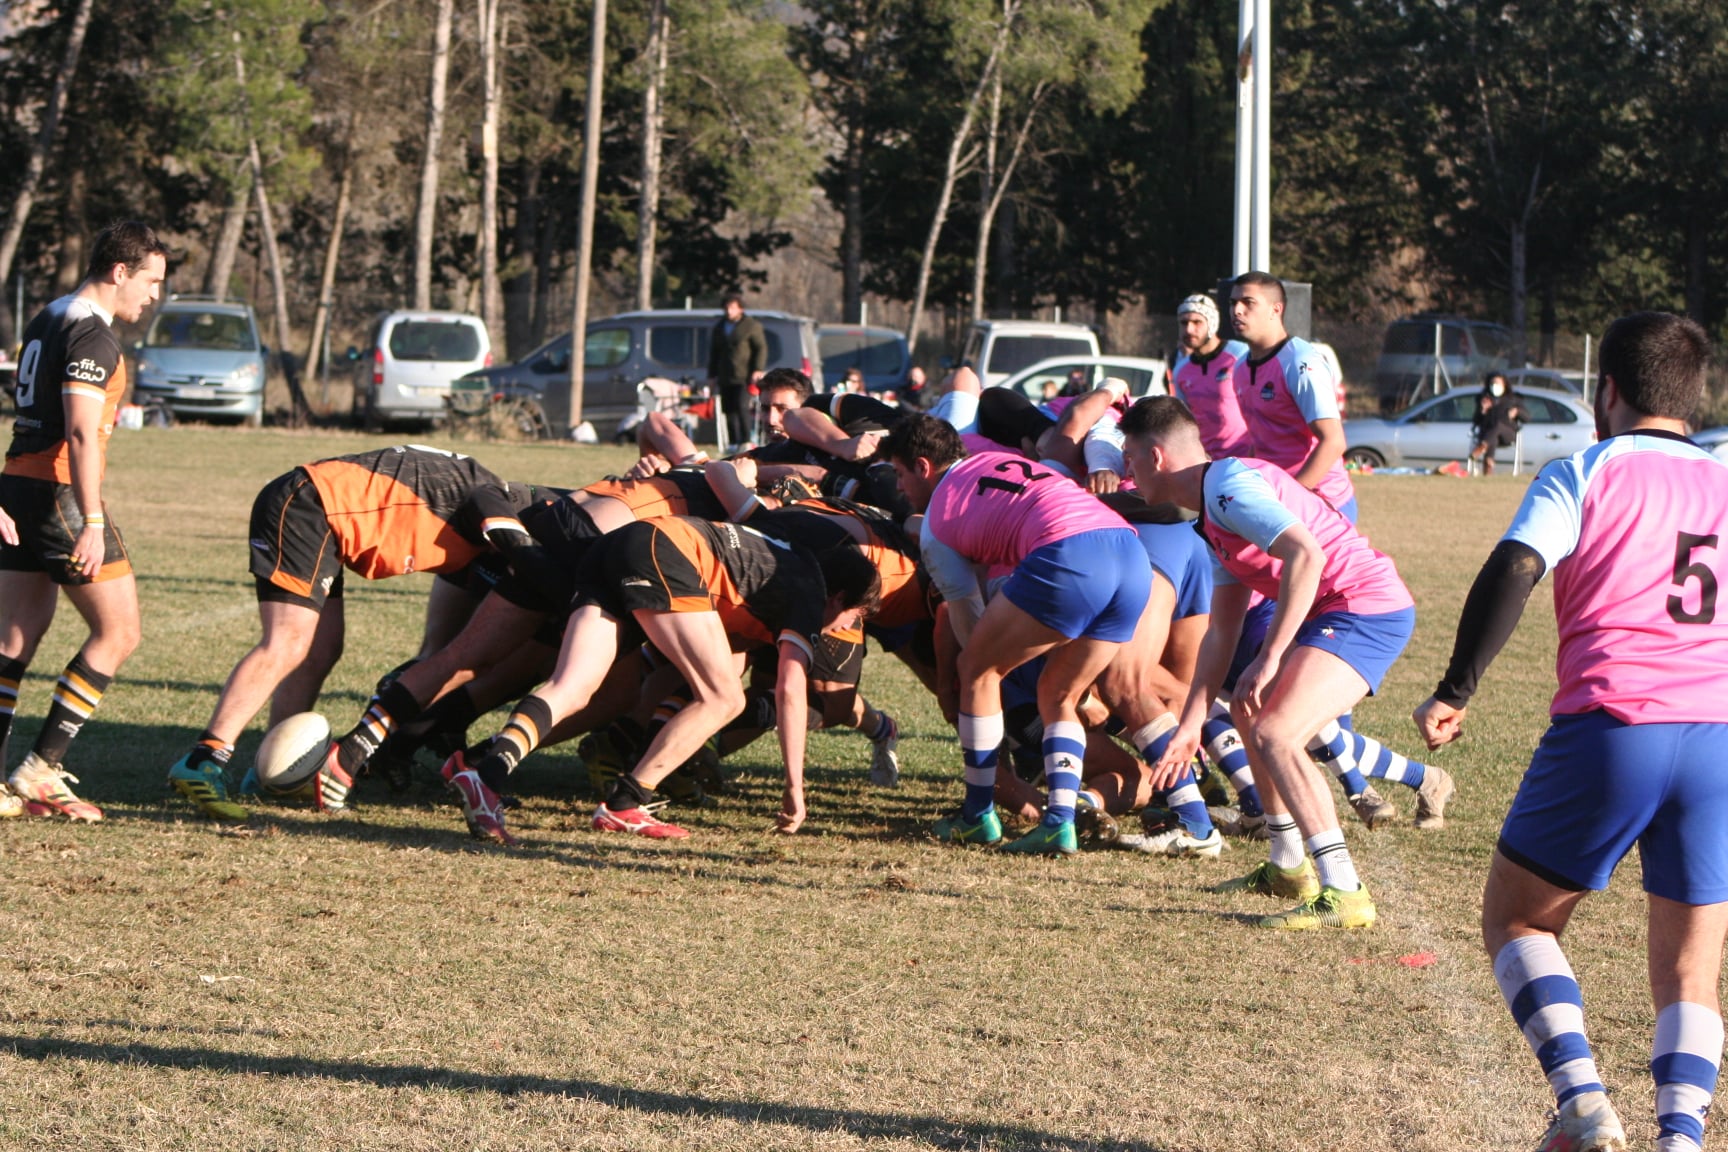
{"x": 68, "y": 348}
{"x": 1633, "y": 529}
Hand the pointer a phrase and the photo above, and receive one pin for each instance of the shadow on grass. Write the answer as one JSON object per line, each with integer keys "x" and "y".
{"x": 936, "y": 1131}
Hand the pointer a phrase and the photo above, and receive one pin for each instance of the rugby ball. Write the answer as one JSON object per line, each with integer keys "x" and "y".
{"x": 292, "y": 753}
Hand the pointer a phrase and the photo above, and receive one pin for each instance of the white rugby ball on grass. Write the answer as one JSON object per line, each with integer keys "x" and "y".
{"x": 292, "y": 753}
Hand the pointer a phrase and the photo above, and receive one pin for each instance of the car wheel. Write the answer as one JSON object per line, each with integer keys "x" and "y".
{"x": 1365, "y": 457}
{"x": 516, "y": 420}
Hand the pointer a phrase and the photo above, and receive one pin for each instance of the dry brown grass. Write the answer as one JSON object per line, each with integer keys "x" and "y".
{"x": 380, "y": 982}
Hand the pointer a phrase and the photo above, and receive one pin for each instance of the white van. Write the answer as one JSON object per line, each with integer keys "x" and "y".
{"x": 996, "y": 349}
{"x": 405, "y": 371}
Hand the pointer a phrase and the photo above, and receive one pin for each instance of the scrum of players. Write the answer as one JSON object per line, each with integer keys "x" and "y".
{"x": 1158, "y": 607}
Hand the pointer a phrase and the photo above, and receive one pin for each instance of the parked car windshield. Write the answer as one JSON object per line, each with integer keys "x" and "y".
{"x": 874, "y": 354}
{"x": 434, "y": 340}
{"x": 221, "y": 331}
{"x": 1012, "y": 353}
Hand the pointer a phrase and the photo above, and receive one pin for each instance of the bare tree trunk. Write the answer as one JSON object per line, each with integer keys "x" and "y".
{"x": 986, "y": 193}
{"x": 38, "y": 162}
{"x": 987, "y": 215}
{"x": 491, "y": 298}
{"x": 1545, "y": 354}
{"x": 1697, "y": 261}
{"x": 424, "y": 219}
{"x": 221, "y": 269}
{"x": 279, "y": 288}
{"x": 951, "y": 171}
{"x": 852, "y": 228}
{"x": 648, "y": 206}
{"x": 1518, "y": 289}
{"x": 572, "y": 416}
{"x": 72, "y": 255}
{"x": 519, "y": 331}
{"x": 332, "y": 252}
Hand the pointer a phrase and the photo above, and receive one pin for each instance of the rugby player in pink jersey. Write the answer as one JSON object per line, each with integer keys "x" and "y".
{"x": 1079, "y": 586}
{"x": 1288, "y": 394}
{"x": 1204, "y": 377}
{"x": 1632, "y": 529}
{"x": 1342, "y": 618}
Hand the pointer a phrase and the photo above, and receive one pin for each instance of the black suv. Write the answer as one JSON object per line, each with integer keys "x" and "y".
{"x": 626, "y": 349}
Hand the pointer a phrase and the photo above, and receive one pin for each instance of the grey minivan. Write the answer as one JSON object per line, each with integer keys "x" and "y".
{"x": 625, "y": 349}
{"x": 201, "y": 357}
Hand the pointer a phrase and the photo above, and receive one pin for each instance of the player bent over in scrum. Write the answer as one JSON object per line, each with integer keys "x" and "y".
{"x": 1079, "y": 586}
{"x": 382, "y": 513}
{"x": 695, "y": 591}
{"x": 1632, "y": 529}
{"x": 1343, "y": 616}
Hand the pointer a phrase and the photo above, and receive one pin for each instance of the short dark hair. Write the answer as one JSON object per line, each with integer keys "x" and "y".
{"x": 1157, "y": 416}
{"x": 129, "y": 242}
{"x": 848, "y": 573}
{"x": 785, "y": 378}
{"x": 923, "y": 437}
{"x": 1658, "y": 362}
{"x": 732, "y": 298}
{"x": 1263, "y": 280}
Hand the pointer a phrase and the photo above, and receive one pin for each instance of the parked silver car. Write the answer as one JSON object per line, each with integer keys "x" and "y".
{"x": 1438, "y": 429}
{"x": 201, "y": 357}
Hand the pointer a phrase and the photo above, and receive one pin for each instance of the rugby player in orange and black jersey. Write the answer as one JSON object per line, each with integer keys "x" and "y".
{"x": 388, "y": 512}
{"x": 699, "y": 592}
{"x": 71, "y": 378}
{"x": 868, "y": 481}
{"x": 518, "y": 627}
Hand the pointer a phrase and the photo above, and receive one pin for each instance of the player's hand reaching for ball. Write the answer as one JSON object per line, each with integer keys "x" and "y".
{"x": 1438, "y": 722}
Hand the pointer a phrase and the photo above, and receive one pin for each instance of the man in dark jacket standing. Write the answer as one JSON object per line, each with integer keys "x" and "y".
{"x": 737, "y": 356}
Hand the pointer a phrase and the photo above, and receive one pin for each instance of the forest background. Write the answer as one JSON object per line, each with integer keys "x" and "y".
{"x": 917, "y": 163}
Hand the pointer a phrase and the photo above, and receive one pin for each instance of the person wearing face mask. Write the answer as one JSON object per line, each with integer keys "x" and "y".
{"x": 1496, "y": 423}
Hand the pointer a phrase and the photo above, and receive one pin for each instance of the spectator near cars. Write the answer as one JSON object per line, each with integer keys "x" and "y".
{"x": 1435, "y": 431}
{"x": 880, "y": 353}
{"x": 737, "y": 358}
{"x": 201, "y": 357}
{"x": 411, "y": 359}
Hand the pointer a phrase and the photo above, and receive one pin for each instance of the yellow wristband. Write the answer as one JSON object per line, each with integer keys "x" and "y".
{"x": 96, "y": 520}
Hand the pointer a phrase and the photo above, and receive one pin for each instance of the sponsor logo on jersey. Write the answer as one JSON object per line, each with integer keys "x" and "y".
{"x": 88, "y": 371}
{"x": 324, "y": 585}
{"x": 262, "y": 545}
{"x": 1223, "y": 375}
{"x": 1224, "y": 502}
{"x": 1266, "y": 391}
{"x": 636, "y": 582}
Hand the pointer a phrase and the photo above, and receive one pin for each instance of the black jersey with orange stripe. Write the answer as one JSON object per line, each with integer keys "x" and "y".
{"x": 764, "y": 588}
{"x": 681, "y": 491}
{"x": 69, "y": 349}
{"x": 412, "y": 509}
{"x": 818, "y": 524}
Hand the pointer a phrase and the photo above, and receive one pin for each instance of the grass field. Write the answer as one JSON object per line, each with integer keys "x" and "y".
{"x": 381, "y": 982}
